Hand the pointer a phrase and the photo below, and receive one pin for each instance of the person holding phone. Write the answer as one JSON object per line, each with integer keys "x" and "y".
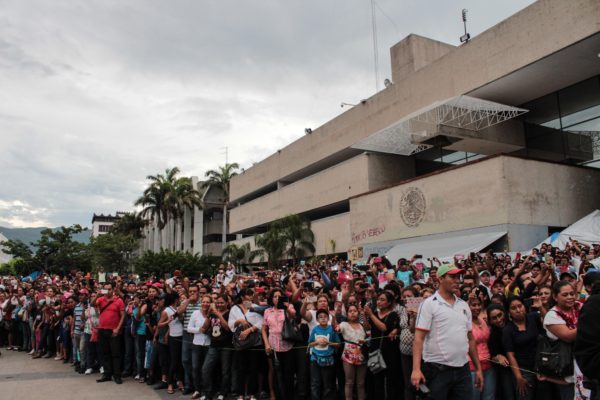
{"x": 219, "y": 352}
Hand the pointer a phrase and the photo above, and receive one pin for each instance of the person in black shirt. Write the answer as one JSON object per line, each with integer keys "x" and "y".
{"x": 519, "y": 338}
{"x": 497, "y": 322}
{"x": 384, "y": 331}
{"x": 220, "y": 349}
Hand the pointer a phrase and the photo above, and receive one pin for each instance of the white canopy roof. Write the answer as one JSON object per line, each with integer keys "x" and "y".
{"x": 443, "y": 247}
{"x": 586, "y": 231}
{"x": 464, "y": 112}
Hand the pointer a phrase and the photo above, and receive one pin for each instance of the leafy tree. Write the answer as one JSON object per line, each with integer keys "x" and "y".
{"x": 271, "y": 245}
{"x": 237, "y": 254}
{"x": 167, "y": 197}
{"x": 221, "y": 178}
{"x": 167, "y": 261}
{"x": 130, "y": 224}
{"x": 297, "y": 234}
{"x": 17, "y": 249}
{"x": 56, "y": 251}
{"x": 112, "y": 251}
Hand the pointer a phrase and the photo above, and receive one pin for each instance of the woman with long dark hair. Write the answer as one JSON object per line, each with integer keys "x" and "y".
{"x": 384, "y": 332}
{"x": 245, "y": 362}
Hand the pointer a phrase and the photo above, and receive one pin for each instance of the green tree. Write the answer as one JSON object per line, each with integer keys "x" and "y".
{"x": 270, "y": 245}
{"x": 56, "y": 251}
{"x": 22, "y": 262}
{"x": 181, "y": 197}
{"x": 167, "y": 261}
{"x": 298, "y": 236}
{"x": 155, "y": 199}
{"x": 221, "y": 178}
{"x": 237, "y": 254}
{"x": 112, "y": 251}
{"x": 130, "y": 224}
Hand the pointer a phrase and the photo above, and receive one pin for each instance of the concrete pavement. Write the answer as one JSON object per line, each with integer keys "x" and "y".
{"x": 24, "y": 378}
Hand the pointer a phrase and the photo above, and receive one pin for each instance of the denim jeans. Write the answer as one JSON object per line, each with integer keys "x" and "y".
{"x": 215, "y": 356}
{"x": 322, "y": 380}
{"x": 198, "y": 357}
{"x": 186, "y": 359}
{"x": 530, "y": 393}
{"x": 140, "y": 354}
{"x": 91, "y": 352}
{"x": 489, "y": 385}
{"x": 129, "y": 366}
{"x": 448, "y": 383}
{"x": 77, "y": 339}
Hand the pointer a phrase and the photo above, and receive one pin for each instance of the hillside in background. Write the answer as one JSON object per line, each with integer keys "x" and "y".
{"x": 29, "y": 235}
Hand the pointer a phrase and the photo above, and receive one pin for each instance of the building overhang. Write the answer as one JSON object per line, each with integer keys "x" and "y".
{"x": 439, "y": 124}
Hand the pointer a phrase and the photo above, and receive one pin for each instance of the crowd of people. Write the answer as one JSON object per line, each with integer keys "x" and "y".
{"x": 484, "y": 326}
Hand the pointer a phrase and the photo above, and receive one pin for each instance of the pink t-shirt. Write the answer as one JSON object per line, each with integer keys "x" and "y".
{"x": 481, "y": 334}
{"x": 274, "y": 319}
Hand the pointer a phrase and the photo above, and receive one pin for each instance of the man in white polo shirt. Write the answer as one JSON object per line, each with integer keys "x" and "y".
{"x": 442, "y": 340}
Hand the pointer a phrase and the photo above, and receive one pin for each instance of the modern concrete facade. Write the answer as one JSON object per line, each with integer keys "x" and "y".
{"x": 198, "y": 232}
{"x": 528, "y": 87}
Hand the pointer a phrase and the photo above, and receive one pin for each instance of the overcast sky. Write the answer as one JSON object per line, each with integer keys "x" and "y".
{"x": 96, "y": 95}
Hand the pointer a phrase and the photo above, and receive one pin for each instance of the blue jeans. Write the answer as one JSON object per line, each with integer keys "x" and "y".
{"x": 215, "y": 356}
{"x": 186, "y": 359}
{"x": 128, "y": 364}
{"x": 322, "y": 380}
{"x": 448, "y": 383}
{"x": 140, "y": 354}
{"x": 198, "y": 357}
{"x": 489, "y": 385}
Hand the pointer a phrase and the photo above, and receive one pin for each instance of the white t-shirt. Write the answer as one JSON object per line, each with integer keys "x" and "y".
{"x": 447, "y": 327}
{"x": 552, "y": 318}
{"x": 175, "y": 326}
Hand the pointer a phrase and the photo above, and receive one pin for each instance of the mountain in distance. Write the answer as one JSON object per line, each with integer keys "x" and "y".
{"x": 29, "y": 235}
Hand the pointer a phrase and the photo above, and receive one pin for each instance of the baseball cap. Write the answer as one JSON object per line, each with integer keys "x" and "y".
{"x": 485, "y": 272}
{"x": 450, "y": 269}
{"x": 377, "y": 260}
{"x": 567, "y": 273}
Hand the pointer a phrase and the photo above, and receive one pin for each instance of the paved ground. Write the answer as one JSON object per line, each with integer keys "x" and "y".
{"x": 24, "y": 378}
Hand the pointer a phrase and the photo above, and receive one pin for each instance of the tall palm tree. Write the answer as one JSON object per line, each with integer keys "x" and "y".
{"x": 221, "y": 178}
{"x": 271, "y": 244}
{"x": 130, "y": 224}
{"x": 157, "y": 198}
{"x": 237, "y": 254}
{"x": 298, "y": 236}
{"x": 181, "y": 196}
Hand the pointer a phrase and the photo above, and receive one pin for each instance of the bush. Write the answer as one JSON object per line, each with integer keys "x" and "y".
{"x": 167, "y": 261}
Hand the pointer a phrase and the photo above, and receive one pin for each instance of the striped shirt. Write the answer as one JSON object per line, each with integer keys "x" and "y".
{"x": 189, "y": 310}
{"x": 77, "y": 313}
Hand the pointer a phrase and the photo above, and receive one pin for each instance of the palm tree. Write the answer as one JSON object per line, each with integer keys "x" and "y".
{"x": 130, "y": 224}
{"x": 237, "y": 254}
{"x": 298, "y": 236}
{"x": 221, "y": 178}
{"x": 182, "y": 196}
{"x": 271, "y": 244}
{"x": 166, "y": 198}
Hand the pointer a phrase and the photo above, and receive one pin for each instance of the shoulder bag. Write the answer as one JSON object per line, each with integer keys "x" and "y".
{"x": 254, "y": 339}
{"x": 291, "y": 330}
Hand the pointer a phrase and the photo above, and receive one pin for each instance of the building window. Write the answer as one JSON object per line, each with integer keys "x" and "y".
{"x": 192, "y": 243}
{"x": 103, "y": 228}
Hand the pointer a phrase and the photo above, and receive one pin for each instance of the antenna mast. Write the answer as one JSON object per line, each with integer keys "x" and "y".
{"x": 375, "y": 46}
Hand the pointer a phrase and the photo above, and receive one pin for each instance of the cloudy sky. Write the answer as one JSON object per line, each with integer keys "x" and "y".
{"x": 97, "y": 94}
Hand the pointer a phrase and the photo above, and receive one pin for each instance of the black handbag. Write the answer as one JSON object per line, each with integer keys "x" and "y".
{"x": 291, "y": 331}
{"x": 553, "y": 358}
{"x": 254, "y": 339}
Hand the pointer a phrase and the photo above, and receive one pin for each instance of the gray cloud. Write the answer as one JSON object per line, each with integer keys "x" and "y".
{"x": 98, "y": 94}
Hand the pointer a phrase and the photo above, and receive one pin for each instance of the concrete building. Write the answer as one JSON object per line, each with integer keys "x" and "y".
{"x": 101, "y": 223}
{"x": 199, "y": 232}
{"x": 497, "y": 138}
